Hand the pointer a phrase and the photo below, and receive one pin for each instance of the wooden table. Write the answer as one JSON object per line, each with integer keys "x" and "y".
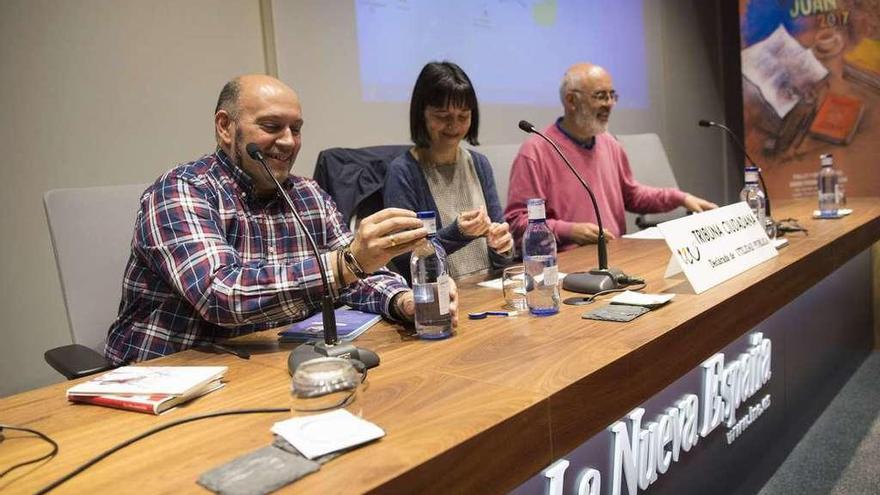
{"x": 480, "y": 412}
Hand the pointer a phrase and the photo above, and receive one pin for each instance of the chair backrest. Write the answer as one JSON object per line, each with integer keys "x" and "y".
{"x": 354, "y": 177}
{"x": 649, "y": 164}
{"x": 501, "y": 158}
{"x": 91, "y": 231}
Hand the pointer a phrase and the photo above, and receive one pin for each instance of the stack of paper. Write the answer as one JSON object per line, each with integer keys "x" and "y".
{"x": 150, "y": 389}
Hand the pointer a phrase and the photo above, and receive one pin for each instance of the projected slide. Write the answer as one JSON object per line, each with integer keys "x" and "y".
{"x": 515, "y": 51}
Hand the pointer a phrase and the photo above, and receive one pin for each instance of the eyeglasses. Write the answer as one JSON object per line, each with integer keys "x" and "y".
{"x": 602, "y": 96}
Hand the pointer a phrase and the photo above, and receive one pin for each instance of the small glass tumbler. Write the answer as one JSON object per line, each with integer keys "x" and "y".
{"x": 323, "y": 384}
{"x": 514, "y": 287}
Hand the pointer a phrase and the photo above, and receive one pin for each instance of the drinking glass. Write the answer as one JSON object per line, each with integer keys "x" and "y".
{"x": 323, "y": 384}
{"x": 514, "y": 288}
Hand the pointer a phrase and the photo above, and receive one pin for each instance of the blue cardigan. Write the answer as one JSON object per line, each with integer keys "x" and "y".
{"x": 406, "y": 187}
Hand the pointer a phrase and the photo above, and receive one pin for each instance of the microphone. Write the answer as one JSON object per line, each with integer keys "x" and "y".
{"x": 598, "y": 279}
{"x": 709, "y": 123}
{"x": 331, "y": 347}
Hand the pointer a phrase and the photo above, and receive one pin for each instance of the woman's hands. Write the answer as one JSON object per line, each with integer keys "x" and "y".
{"x": 474, "y": 223}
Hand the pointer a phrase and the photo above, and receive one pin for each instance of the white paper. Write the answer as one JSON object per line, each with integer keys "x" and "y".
{"x": 443, "y": 294}
{"x": 171, "y": 380}
{"x": 321, "y": 434}
{"x": 495, "y": 283}
{"x": 649, "y": 233}
{"x": 782, "y": 69}
{"x": 639, "y": 299}
{"x": 673, "y": 268}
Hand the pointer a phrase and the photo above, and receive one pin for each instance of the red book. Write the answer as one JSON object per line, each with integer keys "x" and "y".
{"x": 148, "y": 403}
{"x": 837, "y": 119}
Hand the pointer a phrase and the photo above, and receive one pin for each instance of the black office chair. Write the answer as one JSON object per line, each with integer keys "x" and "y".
{"x": 354, "y": 178}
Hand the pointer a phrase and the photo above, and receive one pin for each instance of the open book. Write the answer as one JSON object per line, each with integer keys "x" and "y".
{"x": 782, "y": 69}
{"x": 150, "y": 389}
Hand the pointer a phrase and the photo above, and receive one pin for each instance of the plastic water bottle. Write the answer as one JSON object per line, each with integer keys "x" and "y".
{"x": 829, "y": 190}
{"x": 430, "y": 278}
{"x": 753, "y": 195}
{"x": 539, "y": 259}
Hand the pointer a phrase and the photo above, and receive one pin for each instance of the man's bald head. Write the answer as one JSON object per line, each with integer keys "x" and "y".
{"x": 262, "y": 110}
{"x": 587, "y": 95}
{"x": 580, "y": 76}
{"x": 230, "y": 95}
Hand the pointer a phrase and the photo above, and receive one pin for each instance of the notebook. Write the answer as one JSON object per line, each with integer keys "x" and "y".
{"x": 350, "y": 323}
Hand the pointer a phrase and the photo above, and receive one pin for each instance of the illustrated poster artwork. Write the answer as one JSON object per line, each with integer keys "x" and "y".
{"x": 811, "y": 85}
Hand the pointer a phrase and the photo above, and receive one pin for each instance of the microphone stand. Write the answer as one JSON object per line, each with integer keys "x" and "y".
{"x": 597, "y": 279}
{"x": 330, "y": 347}
{"x": 736, "y": 140}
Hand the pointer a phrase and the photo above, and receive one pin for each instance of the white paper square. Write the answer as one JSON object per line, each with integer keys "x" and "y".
{"x": 321, "y": 434}
{"x": 640, "y": 299}
{"x": 496, "y": 283}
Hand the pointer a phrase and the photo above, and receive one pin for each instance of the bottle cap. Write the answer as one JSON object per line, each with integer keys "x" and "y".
{"x": 826, "y": 160}
{"x": 429, "y": 221}
{"x": 751, "y": 175}
{"x": 536, "y": 209}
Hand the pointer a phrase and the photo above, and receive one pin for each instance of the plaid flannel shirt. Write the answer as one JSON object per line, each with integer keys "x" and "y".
{"x": 210, "y": 260}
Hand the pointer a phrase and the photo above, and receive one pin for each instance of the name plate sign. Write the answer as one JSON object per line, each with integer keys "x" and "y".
{"x": 716, "y": 245}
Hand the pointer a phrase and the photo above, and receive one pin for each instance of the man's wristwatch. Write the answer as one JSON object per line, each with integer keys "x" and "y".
{"x": 352, "y": 263}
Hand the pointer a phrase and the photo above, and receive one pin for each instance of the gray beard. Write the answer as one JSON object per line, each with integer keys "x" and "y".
{"x": 590, "y": 124}
{"x": 236, "y": 149}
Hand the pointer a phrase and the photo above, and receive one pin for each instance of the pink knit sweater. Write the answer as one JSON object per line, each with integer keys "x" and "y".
{"x": 538, "y": 172}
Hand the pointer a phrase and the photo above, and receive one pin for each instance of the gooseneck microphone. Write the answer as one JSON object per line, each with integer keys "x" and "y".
{"x": 331, "y": 347}
{"x": 735, "y": 139}
{"x": 598, "y": 279}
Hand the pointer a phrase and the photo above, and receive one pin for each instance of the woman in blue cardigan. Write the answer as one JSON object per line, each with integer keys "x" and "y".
{"x": 440, "y": 175}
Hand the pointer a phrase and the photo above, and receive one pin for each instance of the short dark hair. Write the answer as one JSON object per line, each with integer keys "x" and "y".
{"x": 441, "y": 84}
{"x": 228, "y": 99}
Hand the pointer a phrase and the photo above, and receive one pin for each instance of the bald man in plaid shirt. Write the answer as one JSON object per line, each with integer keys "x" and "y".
{"x": 216, "y": 253}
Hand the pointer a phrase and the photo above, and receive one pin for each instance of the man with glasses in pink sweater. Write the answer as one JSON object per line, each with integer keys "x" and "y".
{"x": 587, "y": 94}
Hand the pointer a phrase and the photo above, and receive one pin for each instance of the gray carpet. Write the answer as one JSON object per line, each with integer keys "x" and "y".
{"x": 840, "y": 454}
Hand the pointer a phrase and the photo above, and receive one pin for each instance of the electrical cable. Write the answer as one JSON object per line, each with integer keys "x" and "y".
{"x": 147, "y": 433}
{"x": 791, "y": 225}
{"x": 580, "y": 300}
{"x": 35, "y": 432}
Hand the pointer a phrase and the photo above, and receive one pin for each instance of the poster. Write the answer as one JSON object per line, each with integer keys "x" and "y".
{"x": 811, "y": 85}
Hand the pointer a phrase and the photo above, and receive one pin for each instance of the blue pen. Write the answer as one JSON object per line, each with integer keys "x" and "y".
{"x": 484, "y": 314}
